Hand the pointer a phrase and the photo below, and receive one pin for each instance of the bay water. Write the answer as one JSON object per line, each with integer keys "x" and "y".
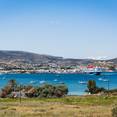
{"x": 76, "y": 83}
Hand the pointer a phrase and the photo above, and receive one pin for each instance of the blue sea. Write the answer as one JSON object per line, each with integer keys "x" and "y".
{"x": 76, "y": 83}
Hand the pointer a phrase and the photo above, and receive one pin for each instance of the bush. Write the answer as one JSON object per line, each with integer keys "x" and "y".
{"x": 31, "y": 92}
{"x": 45, "y": 90}
{"x": 52, "y": 91}
{"x": 114, "y": 111}
{"x": 3, "y": 94}
{"x": 61, "y": 90}
{"x": 111, "y": 91}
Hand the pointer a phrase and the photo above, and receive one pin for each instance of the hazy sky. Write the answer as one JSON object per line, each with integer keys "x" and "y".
{"x": 68, "y": 28}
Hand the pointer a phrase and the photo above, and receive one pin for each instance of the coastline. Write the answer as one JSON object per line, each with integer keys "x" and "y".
{"x": 49, "y": 71}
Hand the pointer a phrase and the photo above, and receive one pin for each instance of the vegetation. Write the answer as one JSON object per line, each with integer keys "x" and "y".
{"x": 41, "y": 105}
{"x": 112, "y": 67}
{"x": 69, "y": 106}
{"x": 44, "y": 101}
{"x": 50, "y": 91}
{"x": 92, "y": 88}
{"x": 9, "y": 88}
{"x": 114, "y": 111}
{"x": 46, "y": 90}
{"x": 111, "y": 92}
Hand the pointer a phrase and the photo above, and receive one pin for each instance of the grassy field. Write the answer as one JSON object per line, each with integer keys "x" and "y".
{"x": 71, "y": 106}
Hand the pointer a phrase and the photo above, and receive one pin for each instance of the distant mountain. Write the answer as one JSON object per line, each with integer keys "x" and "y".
{"x": 113, "y": 60}
{"x": 32, "y": 58}
{"x": 26, "y": 57}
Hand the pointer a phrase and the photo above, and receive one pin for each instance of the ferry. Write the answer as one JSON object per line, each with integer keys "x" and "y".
{"x": 94, "y": 70}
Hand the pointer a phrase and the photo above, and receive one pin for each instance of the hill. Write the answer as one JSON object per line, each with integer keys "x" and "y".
{"x": 113, "y": 60}
{"x": 32, "y": 58}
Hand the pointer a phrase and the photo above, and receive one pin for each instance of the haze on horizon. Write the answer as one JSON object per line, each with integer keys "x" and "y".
{"x": 68, "y": 28}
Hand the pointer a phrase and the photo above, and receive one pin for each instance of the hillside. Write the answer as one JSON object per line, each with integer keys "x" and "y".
{"x": 113, "y": 60}
{"x": 32, "y": 58}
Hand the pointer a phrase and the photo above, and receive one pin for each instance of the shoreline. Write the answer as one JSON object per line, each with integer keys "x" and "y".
{"x": 49, "y": 72}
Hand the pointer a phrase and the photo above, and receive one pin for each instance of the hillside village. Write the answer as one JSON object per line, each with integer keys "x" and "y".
{"x": 23, "y": 62}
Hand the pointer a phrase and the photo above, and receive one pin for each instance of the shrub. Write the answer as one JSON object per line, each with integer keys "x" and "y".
{"x": 31, "y": 92}
{"x": 52, "y": 91}
{"x": 61, "y": 90}
{"x": 3, "y": 94}
{"x": 114, "y": 111}
{"x": 45, "y": 90}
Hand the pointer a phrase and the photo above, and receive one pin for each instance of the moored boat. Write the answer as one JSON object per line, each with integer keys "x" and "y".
{"x": 82, "y": 82}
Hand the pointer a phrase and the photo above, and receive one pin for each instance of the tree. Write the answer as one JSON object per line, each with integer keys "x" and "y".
{"x": 91, "y": 85}
{"x": 11, "y": 86}
{"x": 12, "y": 83}
{"x": 92, "y": 88}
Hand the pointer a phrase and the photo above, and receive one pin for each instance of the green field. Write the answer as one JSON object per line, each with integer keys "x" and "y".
{"x": 70, "y": 106}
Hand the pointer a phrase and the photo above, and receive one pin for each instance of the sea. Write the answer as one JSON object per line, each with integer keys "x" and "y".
{"x": 76, "y": 83}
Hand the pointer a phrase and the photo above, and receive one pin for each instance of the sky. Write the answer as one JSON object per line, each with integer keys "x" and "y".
{"x": 67, "y": 28}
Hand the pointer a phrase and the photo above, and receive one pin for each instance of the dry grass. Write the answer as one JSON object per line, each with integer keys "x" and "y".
{"x": 42, "y": 108}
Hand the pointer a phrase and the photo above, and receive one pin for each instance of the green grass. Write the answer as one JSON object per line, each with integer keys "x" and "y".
{"x": 82, "y": 100}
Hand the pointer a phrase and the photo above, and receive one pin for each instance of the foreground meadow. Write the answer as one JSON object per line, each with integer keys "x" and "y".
{"x": 71, "y": 106}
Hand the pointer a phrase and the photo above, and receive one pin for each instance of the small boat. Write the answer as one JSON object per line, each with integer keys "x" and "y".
{"x": 105, "y": 80}
{"x": 101, "y": 79}
{"x": 55, "y": 80}
{"x": 97, "y": 73}
{"x": 32, "y": 82}
{"x": 82, "y": 82}
{"x": 61, "y": 83}
{"x": 42, "y": 82}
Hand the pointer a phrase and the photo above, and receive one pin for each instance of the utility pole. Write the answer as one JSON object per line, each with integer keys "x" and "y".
{"x": 108, "y": 86}
{"x": 20, "y": 93}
